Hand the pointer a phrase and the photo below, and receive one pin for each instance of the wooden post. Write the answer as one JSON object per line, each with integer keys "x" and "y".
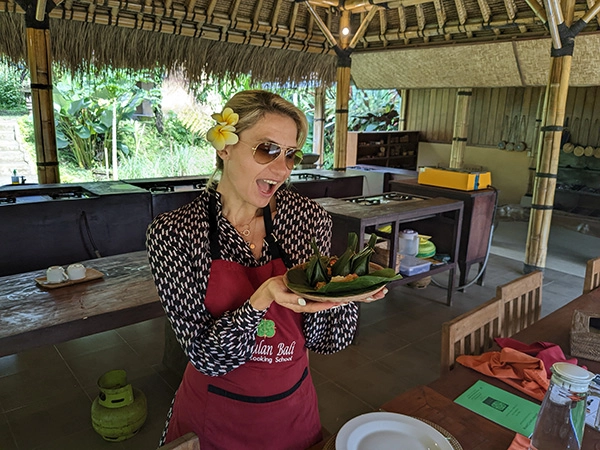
{"x": 342, "y": 97}
{"x": 547, "y": 163}
{"x": 461, "y": 126}
{"x": 319, "y": 121}
{"x": 403, "y": 107}
{"x": 535, "y": 150}
{"x": 40, "y": 68}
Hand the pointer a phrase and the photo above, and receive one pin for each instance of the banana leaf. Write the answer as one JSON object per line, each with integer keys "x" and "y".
{"x": 298, "y": 282}
{"x": 316, "y": 270}
{"x": 360, "y": 262}
{"x": 343, "y": 266}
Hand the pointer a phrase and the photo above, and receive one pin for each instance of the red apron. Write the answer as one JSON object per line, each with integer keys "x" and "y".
{"x": 269, "y": 402}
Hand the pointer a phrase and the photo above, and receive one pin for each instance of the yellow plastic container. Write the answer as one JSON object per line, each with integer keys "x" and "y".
{"x": 454, "y": 178}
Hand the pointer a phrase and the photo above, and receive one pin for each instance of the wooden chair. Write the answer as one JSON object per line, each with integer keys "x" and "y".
{"x": 521, "y": 302}
{"x": 592, "y": 275}
{"x": 188, "y": 441}
{"x": 471, "y": 333}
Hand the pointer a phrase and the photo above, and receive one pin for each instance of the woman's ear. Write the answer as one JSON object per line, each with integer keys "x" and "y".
{"x": 224, "y": 154}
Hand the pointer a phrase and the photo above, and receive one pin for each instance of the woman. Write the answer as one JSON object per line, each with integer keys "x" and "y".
{"x": 218, "y": 264}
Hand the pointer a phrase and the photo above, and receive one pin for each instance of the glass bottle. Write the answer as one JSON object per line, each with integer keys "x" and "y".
{"x": 561, "y": 420}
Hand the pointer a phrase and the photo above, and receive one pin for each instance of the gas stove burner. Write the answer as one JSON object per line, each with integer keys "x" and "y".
{"x": 59, "y": 195}
{"x": 307, "y": 176}
{"x": 381, "y": 199}
{"x": 162, "y": 189}
{"x": 397, "y": 196}
{"x": 8, "y": 200}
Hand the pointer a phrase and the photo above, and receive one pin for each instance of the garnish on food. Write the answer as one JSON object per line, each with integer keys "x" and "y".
{"x": 341, "y": 276}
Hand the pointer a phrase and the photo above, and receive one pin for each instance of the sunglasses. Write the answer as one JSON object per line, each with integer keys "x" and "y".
{"x": 266, "y": 152}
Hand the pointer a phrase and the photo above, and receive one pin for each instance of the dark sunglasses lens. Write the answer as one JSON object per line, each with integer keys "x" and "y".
{"x": 293, "y": 157}
{"x": 266, "y": 152}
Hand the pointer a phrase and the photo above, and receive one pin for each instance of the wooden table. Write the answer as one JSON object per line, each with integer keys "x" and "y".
{"x": 435, "y": 402}
{"x": 31, "y": 316}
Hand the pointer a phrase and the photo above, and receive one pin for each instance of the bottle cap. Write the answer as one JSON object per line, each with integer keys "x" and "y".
{"x": 572, "y": 377}
{"x": 410, "y": 233}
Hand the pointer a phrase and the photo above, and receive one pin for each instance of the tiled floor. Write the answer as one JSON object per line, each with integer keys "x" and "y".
{"x": 46, "y": 393}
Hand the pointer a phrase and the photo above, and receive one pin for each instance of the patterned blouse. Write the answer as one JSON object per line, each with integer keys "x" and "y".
{"x": 180, "y": 260}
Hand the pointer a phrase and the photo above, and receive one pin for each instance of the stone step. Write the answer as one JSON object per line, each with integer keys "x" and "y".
{"x": 7, "y": 155}
{"x": 7, "y": 135}
{"x": 9, "y": 146}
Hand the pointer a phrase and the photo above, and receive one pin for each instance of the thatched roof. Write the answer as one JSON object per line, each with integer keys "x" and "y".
{"x": 275, "y": 40}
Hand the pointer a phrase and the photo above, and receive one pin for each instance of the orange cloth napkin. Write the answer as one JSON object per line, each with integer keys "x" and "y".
{"x": 520, "y": 442}
{"x": 548, "y": 352}
{"x": 523, "y": 372}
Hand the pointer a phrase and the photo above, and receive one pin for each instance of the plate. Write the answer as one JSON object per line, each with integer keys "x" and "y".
{"x": 384, "y": 430}
{"x": 90, "y": 274}
{"x": 342, "y": 299}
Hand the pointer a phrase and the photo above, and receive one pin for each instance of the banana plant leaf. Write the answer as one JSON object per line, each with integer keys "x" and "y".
{"x": 298, "y": 282}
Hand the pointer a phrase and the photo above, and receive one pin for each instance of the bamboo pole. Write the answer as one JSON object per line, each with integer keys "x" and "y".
{"x": 403, "y": 107}
{"x": 40, "y": 67}
{"x": 461, "y": 127}
{"x": 547, "y": 164}
{"x": 534, "y": 152}
{"x": 342, "y": 97}
{"x": 319, "y": 122}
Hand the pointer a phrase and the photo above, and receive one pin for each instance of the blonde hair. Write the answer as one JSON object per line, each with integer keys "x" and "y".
{"x": 253, "y": 105}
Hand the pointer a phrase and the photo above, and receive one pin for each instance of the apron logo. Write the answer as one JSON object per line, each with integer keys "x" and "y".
{"x": 266, "y": 328}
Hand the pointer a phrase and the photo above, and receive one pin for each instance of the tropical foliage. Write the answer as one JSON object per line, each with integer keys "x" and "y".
{"x": 100, "y": 132}
{"x": 11, "y": 89}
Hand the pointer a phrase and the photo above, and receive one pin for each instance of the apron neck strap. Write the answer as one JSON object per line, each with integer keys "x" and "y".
{"x": 213, "y": 233}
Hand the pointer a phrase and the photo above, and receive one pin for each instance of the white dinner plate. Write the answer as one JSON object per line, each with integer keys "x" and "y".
{"x": 385, "y": 430}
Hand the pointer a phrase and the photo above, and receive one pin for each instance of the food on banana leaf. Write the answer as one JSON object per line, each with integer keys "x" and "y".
{"x": 351, "y": 274}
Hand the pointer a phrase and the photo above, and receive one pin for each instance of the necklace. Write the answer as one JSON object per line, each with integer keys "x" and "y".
{"x": 245, "y": 232}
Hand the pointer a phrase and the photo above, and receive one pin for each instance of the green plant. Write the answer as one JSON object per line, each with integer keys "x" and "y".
{"x": 11, "y": 88}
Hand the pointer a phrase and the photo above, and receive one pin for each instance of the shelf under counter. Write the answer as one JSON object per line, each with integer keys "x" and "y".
{"x": 443, "y": 214}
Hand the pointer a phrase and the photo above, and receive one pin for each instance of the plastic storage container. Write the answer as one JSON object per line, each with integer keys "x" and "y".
{"x": 409, "y": 265}
{"x": 408, "y": 242}
{"x": 561, "y": 420}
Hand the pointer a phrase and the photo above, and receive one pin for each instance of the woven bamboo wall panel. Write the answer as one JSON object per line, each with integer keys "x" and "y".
{"x": 431, "y": 111}
{"x": 485, "y": 65}
{"x": 524, "y": 63}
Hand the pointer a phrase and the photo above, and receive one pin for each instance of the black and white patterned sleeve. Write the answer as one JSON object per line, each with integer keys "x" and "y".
{"x": 180, "y": 262}
{"x": 326, "y": 331}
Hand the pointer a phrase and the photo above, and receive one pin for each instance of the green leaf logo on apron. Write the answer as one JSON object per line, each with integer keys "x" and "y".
{"x": 266, "y": 328}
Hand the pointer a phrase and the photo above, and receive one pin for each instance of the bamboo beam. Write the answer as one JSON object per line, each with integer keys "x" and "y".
{"x": 342, "y": 97}
{"x": 40, "y": 67}
{"x": 319, "y": 122}
{"x": 461, "y": 127}
{"x": 362, "y": 28}
{"x": 592, "y": 12}
{"x": 547, "y": 164}
{"x": 330, "y": 38}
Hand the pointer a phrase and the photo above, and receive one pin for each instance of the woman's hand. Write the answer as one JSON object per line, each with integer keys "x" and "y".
{"x": 274, "y": 290}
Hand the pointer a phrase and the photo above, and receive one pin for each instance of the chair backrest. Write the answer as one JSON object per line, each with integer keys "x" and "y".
{"x": 471, "y": 333}
{"x": 188, "y": 441}
{"x": 592, "y": 275}
{"x": 522, "y": 302}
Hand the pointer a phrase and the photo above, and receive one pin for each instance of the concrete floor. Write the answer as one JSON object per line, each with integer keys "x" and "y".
{"x": 46, "y": 393}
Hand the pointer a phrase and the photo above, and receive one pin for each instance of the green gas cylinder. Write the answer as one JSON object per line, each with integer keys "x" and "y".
{"x": 120, "y": 410}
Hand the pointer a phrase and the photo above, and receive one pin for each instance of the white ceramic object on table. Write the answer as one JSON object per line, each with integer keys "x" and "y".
{"x": 76, "y": 271}
{"x": 56, "y": 274}
{"x": 379, "y": 430}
